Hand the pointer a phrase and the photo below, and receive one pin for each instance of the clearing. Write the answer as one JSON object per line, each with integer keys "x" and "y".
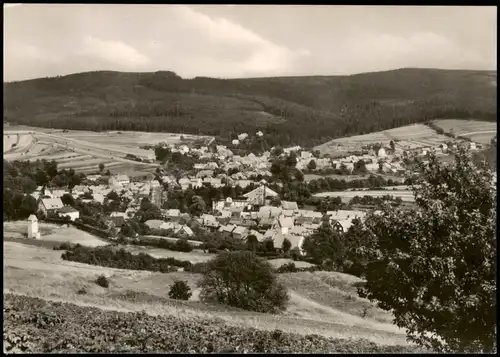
{"x": 346, "y": 196}
{"x": 322, "y": 304}
{"x": 479, "y": 131}
{"x": 53, "y": 233}
{"x": 410, "y": 137}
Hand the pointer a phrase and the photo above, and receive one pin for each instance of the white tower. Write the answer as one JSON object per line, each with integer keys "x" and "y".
{"x": 33, "y": 227}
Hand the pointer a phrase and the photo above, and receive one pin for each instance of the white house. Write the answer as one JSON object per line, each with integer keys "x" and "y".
{"x": 50, "y": 205}
{"x": 119, "y": 180}
{"x": 259, "y": 133}
{"x": 235, "y": 142}
{"x": 381, "y": 152}
{"x": 70, "y": 212}
{"x": 242, "y": 136}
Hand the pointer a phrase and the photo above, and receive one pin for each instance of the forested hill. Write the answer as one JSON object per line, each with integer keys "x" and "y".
{"x": 292, "y": 110}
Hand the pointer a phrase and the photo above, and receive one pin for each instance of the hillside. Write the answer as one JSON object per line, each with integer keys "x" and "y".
{"x": 292, "y": 110}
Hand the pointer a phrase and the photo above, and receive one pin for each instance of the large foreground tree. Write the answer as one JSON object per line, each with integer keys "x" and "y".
{"x": 435, "y": 266}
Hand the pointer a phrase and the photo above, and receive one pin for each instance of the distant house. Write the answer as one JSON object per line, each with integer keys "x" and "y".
{"x": 119, "y": 180}
{"x": 49, "y": 205}
{"x": 381, "y": 152}
{"x": 288, "y": 205}
{"x": 68, "y": 211}
{"x": 242, "y": 136}
{"x": 235, "y": 142}
{"x": 260, "y": 195}
{"x": 259, "y": 133}
{"x": 240, "y": 232}
{"x": 173, "y": 214}
{"x": 269, "y": 212}
{"x": 258, "y": 235}
{"x": 227, "y": 230}
{"x": 283, "y": 224}
{"x": 155, "y": 224}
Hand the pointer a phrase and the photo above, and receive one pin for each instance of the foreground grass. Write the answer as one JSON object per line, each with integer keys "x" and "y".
{"x": 36, "y": 325}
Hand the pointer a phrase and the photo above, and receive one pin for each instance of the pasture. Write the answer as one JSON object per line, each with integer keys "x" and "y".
{"x": 410, "y": 137}
{"x": 346, "y": 196}
{"x": 323, "y": 304}
{"x": 51, "y": 233}
{"x": 479, "y": 131}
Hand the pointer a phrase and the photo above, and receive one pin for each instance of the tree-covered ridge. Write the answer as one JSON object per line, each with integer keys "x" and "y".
{"x": 293, "y": 110}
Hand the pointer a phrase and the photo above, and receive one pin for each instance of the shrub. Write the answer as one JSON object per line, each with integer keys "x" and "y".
{"x": 183, "y": 245}
{"x": 295, "y": 254}
{"x": 287, "y": 268}
{"x": 81, "y": 291}
{"x": 110, "y": 257}
{"x": 102, "y": 281}
{"x": 241, "y": 279}
{"x": 180, "y": 290}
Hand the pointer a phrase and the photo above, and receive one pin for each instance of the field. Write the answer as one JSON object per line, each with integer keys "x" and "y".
{"x": 411, "y": 137}
{"x": 84, "y": 151}
{"x": 50, "y": 233}
{"x": 479, "y": 131}
{"x": 346, "y": 196}
{"x": 321, "y": 303}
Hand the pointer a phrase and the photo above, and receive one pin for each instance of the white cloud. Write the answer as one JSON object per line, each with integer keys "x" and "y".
{"x": 24, "y": 51}
{"x": 247, "y": 52}
{"x": 114, "y": 52}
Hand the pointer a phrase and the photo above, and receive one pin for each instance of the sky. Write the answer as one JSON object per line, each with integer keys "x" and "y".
{"x": 236, "y": 41}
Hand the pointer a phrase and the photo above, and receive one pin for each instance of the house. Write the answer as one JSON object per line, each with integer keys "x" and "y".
{"x": 269, "y": 212}
{"x": 305, "y": 155}
{"x": 155, "y": 224}
{"x": 227, "y": 230}
{"x": 214, "y": 182}
{"x": 69, "y": 212}
{"x": 235, "y": 142}
{"x": 240, "y": 232}
{"x": 283, "y": 224}
{"x": 49, "y": 205}
{"x": 337, "y": 226}
{"x": 260, "y": 195}
{"x": 258, "y": 235}
{"x": 183, "y": 231}
{"x": 287, "y": 205}
{"x": 381, "y": 152}
{"x": 259, "y": 134}
{"x": 118, "y": 218}
{"x": 119, "y": 180}
{"x": 243, "y": 183}
{"x": 173, "y": 214}
{"x": 242, "y": 136}
{"x": 209, "y": 221}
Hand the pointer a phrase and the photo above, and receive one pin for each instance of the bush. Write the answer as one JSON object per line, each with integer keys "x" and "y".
{"x": 180, "y": 290}
{"x": 102, "y": 281}
{"x": 287, "y": 268}
{"x": 183, "y": 245}
{"x": 111, "y": 257}
{"x": 241, "y": 279}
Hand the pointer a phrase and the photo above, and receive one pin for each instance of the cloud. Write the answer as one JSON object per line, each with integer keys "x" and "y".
{"x": 114, "y": 52}
{"x": 237, "y": 48}
{"x": 24, "y": 51}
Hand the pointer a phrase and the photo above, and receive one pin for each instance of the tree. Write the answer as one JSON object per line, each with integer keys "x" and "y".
{"x": 291, "y": 159}
{"x": 180, "y": 290}
{"x": 311, "y": 165}
{"x": 113, "y": 195}
{"x": 241, "y": 279}
{"x": 252, "y": 243}
{"x": 435, "y": 266}
{"x": 392, "y": 145}
{"x": 198, "y": 206}
{"x": 101, "y": 167}
{"x": 324, "y": 244}
{"x": 67, "y": 199}
{"x": 286, "y": 245}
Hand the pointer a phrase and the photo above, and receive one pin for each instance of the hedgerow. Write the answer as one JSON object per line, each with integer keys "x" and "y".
{"x": 35, "y": 325}
{"x": 110, "y": 257}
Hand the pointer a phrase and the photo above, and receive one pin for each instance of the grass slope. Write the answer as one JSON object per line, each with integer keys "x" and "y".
{"x": 304, "y": 110}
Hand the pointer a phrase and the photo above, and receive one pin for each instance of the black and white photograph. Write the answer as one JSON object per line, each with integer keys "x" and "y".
{"x": 249, "y": 179}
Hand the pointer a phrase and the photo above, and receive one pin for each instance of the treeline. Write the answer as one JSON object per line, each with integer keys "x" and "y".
{"x": 111, "y": 257}
{"x": 302, "y": 111}
{"x": 21, "y": 178}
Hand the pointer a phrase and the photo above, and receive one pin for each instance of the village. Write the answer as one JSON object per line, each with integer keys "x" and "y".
{"x": 259, "y": 211}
